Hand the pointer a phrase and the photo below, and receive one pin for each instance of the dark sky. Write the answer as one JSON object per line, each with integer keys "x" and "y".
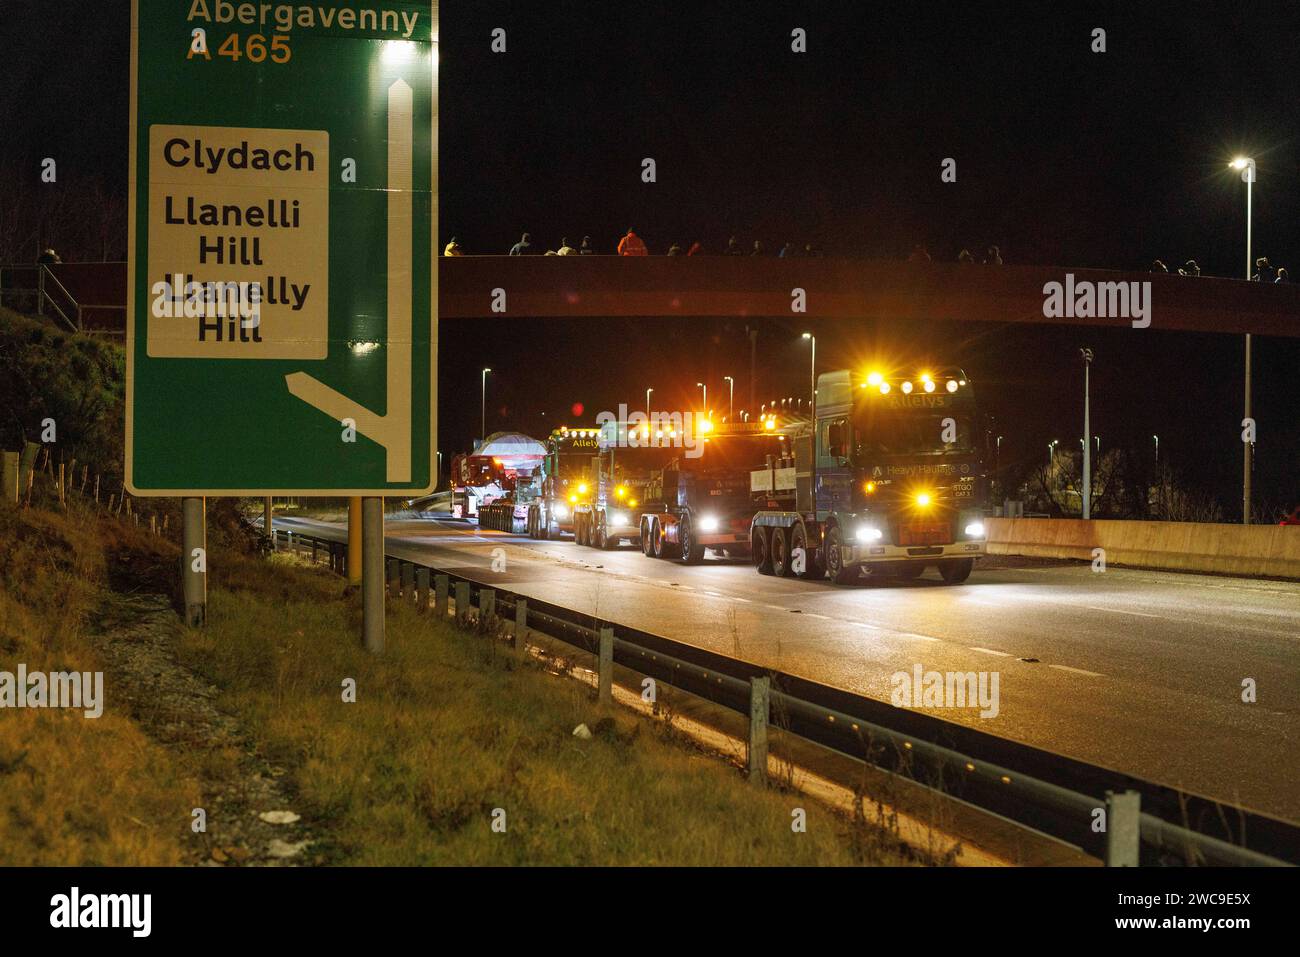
{"x": 1063, "y": 156}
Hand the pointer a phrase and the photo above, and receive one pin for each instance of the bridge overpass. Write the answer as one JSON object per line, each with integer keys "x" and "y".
{"x": 659, "y": 286}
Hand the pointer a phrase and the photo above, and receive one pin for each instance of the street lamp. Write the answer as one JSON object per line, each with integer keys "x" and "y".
{"x": 812, "y": 376}
{"x": 1051, "y": 450}
{"x": 1157, "y": 438}
{"x": 647, "y": 402}
{"x": 731, "y": 397}
{"x": 1087, "y": 431}
{"x": 1247, "y": 167}
{"x": 483, "y": 407}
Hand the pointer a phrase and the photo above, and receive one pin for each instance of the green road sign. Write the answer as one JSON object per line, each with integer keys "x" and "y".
{"x": 281, "y": 327}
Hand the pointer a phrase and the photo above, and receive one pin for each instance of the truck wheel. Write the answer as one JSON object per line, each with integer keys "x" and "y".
{"x": 599, "y": 539}
{"x": 543, "y": 526}
{"x": 647, "y": 543}
{"x": 691, "y": 553}
{"x": 839, "y": 573}
{"x": 781, "y": 553}
{"x": 812, "y": 568}
{"x": 761, "y": 550}
{"x": 956, "y": 570}
{"x": 656, "y": 539}
{"x": 910, "y": 571}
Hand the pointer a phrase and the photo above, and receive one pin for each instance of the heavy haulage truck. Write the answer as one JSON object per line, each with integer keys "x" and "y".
{"x": 562, "y": 483}
{"x": 607, "y": 510}
{"x": 704, "y": 501}
{"x": 897, "y": 484}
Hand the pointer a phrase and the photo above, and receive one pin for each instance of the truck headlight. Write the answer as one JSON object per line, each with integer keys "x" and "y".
{"x": 975, "y": 530}
{"x": 560, "y": 511}
{"x": 868, "y": 533}
{"x": 617, "y": 518}
{"x": 709, "y": 523}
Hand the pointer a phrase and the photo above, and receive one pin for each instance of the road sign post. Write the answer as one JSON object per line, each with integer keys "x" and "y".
{"x": 194, "y": 560}
{"x": 282, "y": 289}
{"x": 372, "y": 573}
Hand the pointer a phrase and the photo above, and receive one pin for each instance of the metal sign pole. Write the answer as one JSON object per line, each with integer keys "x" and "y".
{"x": 194, "y": 560}
{"x": 372, "y": 574}
{"x": 354, "y": 539}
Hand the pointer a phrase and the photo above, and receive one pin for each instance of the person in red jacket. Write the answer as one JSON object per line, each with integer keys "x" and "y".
{"x": 631, "y": 245}
{"x": 1293, "y": 518}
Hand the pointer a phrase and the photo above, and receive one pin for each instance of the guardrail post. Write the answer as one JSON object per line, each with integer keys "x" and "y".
{"x": 1123, "y": 828}
{"x": 441, "y": 585}
{"x": 521, "y": 624}
{"x": 462, "y": 599}
{"x": 422, "y": 589}
{"x": 487, "y": 603}
{"x": 268, "y": 519}
{"x": 11, "y": 477}
{"x": 605, "y": 673}
{"x": 760, "y": 698}
{"x": 408, "y": 582}
{"x": 313, "y": 551}
{"x": 393, "y": 585}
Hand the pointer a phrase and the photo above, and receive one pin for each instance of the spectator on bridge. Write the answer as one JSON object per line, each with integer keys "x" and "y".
{"x": 1263, "y": 270}
{"x": 1292, "y": 517}
{"x": 1189, "y": 268}
{"x": 919, "y": 254}
{"x": 1282, "y": 275}
{"x": 787, "y": 252}
{"x": 733, "y": 248}
{"x": 965, "y": 257}
{"x": 631, "y": 245}
{"x": 993, "y": 257}
{"x": 524, "y": 247}
{"x": 453, "y": 248}
{"x": 566, "y": 249}
{"x": 1159, "y": 266}
{"x": 696, "y": 249}
{"x": 758, "y": 248}
{"x": 812, "y": 250}
{"x": 49, "y": 258}
{"x": 675, "y": 250}
{"x": 586, "y": 249}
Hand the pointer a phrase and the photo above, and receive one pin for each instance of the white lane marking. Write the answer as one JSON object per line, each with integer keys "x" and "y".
{"x": 1078, "y": 671}
{"x": 1123, "y": 611}
{"x": 813, "y": 614}
{"x": 990, "y": 651}
{"x": 912, "y": 634}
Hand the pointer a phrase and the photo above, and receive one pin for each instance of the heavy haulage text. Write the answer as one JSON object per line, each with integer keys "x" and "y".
{"x": 283, "y": 17}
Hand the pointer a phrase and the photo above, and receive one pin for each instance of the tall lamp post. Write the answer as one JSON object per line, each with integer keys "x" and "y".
{"x": 483, "y": 407}
{"x": 1247, "y": 167}
{"x": 731, "y": 397}
{"x": 812, "y": 416}
{"x": 1087, "y": 432}
{"x": 1157, "y": 438}
{"x": 647, "y": 403}
{"x": 701, "y": 385}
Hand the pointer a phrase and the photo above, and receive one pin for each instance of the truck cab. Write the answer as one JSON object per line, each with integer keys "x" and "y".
{"x": 890, "y": 482}
{"x": 563, "y": 482}
{"x": 628, "y": 461}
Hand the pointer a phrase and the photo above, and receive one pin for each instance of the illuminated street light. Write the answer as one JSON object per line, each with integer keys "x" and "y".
{"x": 1247, "y": 167}
{"x": 731, "y": 397}
{"x": 1157, "y": 438}
{"x": 1051, "y": 450}
{"x": 483, "y": 407}
{"x": 1087, "y": 431}
{"x": 647, "y": 402}
{"x": 706, "y": 393}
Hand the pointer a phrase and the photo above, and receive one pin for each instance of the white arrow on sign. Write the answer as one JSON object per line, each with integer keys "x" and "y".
{"x": 392, "y": 430}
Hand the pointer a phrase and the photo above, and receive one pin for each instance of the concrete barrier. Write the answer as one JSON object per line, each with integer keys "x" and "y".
{"x": 1253, "y": 550}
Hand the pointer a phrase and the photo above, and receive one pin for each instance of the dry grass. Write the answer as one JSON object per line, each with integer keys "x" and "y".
{"x": 73, "y": 790}
{"x": 447, "y": 729}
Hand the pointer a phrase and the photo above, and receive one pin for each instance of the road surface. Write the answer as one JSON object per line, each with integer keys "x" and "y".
{"x": 1139, "y": 671}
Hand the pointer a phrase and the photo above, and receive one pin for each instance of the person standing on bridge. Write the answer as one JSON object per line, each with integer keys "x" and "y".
{"x": 1292, "y": 517}
{"x": 49, "y": 258}
{"x": 566, "y": 249}
{"x": 1282, "y": 275}
{"x": 585, "y": 248}
{"x": 524, "y": 247}
{"x": 696, "y": 249}
{"x": 631, "y": 245}
{"x": 1263, "y": 270}
{"x": 733, "y": 248}
{"x": 453, "y": 248}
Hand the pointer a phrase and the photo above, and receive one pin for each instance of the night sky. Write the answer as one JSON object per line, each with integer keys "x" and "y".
{"x": 1064, "y": 157}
